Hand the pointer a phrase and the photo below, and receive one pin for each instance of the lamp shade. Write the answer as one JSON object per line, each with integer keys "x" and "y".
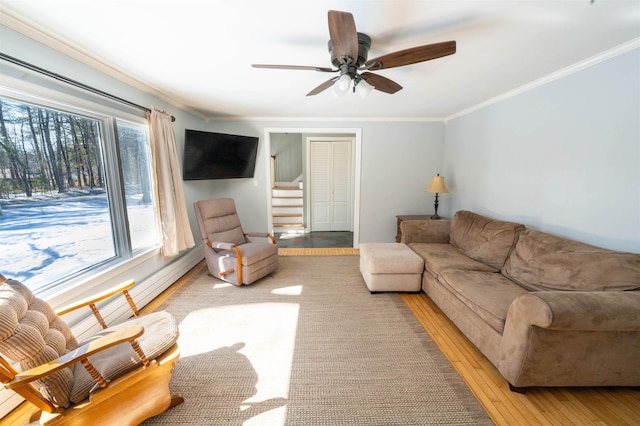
{"x": 437, "y": 185}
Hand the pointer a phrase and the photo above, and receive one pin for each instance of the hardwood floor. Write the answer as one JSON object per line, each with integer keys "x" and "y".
{"x": 548, "y": 406}
{"x": 539, "y": 406}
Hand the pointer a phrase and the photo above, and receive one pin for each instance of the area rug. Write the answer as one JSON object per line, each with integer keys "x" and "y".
{"x": 308, "y": 345}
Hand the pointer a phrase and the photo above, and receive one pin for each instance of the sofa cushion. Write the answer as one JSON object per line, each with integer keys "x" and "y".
{"x": 443, "y": 257}
{"x": 542, "y": 261}
{"x": 488, "y": 294}
{"x": 484, "y": 239}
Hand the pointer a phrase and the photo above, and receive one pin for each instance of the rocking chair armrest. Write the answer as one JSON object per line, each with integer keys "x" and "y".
{"x": 120, "y": 288}
{"x": 124, "y": 335}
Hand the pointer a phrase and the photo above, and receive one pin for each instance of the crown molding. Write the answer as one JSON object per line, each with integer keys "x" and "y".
{"x": 579, "y": 66}
{"x": 30, "y": 30}
{"x": 340, "y": 119}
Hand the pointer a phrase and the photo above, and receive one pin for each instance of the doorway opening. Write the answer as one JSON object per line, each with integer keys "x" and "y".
{"x": 294, "y": 189}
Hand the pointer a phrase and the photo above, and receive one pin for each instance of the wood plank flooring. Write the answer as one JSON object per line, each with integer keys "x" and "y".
{"x": 548, "y": 406}
{"x": 539, "y": 406}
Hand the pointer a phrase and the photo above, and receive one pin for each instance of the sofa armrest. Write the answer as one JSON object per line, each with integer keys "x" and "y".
{"x": 577, "y": 310}
{"x": 571, "y": 338}
{"x": 425, "y": 231}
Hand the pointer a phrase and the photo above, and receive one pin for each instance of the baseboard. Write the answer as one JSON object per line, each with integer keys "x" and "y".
{"x": 117, "y": 310}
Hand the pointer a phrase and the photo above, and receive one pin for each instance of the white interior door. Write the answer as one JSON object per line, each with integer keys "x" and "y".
{"x": 331, "y": 184}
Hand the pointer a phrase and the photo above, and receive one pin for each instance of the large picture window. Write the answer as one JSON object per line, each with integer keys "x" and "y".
{"x": 76, "y": 193}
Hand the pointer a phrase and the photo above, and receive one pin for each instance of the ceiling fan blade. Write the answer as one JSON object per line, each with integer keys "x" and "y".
{"x": 381, "y": 83}
{"x": 342, "y": 30}
{"x": 324, "y": 86}
{"x": 412, "y": 55}
{"x": 294, "y": 67}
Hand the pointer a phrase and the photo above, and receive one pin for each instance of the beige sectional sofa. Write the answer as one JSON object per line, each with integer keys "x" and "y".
{"x": 545, "y": 310}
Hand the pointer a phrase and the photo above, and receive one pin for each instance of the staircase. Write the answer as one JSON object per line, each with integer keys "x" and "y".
{"x": 287, "y": 209}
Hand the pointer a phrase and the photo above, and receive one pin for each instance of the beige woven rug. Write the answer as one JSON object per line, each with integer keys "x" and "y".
{"x": 309, "y": 345}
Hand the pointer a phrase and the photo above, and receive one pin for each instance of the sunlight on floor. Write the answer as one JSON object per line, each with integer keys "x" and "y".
{"x": 264, "y": 333}
{"x": 295, "y": 290}
{"x": 222, "y": 285}
{"x": 289, "y": 235}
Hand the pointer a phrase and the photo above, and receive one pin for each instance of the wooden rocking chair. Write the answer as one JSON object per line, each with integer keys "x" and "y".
{"x": 119, "y": 376}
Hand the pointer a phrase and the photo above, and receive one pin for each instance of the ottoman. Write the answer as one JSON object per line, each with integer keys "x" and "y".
{"x": 390, "y": 267}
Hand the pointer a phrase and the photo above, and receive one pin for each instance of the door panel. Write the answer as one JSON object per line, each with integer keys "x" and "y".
{"x": 331, "y": 185}
{"x": 320, "y": 186}
{"x": 341, "y": 186}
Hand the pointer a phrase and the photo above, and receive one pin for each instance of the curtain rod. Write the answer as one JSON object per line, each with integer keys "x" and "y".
{"x": 72, "y": 82}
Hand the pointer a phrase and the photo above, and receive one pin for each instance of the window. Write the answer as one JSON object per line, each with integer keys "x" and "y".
{"x": 135, "y": 155}
{"x": 76, "y": 192}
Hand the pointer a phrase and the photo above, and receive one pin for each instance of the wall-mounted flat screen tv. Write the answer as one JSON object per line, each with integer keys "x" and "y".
{"x": 209, "y": 155}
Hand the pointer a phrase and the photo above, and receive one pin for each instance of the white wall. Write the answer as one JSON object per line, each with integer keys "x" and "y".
{"x": 563, "y": 158}
{"x": 287, "y": 149}
{"x": 398, "y": 160}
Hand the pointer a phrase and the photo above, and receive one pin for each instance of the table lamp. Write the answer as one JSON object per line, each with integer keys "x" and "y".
{"x": 437, "y": 185}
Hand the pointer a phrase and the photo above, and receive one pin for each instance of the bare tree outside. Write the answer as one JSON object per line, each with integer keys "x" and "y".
{"x": 55, "y": 212}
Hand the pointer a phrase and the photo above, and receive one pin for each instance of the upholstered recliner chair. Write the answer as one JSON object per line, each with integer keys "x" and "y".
{"x": 118, "y": 376}
{"x": 230, "y": 253}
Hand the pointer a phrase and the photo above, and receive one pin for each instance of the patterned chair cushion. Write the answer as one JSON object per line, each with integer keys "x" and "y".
{"x": 32, "y": 334}
{"x": 160, "y": 334}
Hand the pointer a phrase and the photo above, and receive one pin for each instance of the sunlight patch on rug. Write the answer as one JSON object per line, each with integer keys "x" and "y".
{"x": 264, "y": 333}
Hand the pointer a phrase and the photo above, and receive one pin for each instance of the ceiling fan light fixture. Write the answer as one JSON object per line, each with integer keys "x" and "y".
{"x": 363, "y": 88}
{"x": 342, "y": 85}
{"x": 344, "y": 82}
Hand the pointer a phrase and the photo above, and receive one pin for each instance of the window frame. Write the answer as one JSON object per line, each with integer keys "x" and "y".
{"x": 108, "y": 117}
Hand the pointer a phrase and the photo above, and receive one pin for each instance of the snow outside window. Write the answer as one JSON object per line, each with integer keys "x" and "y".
{"x": 76, "y": 193}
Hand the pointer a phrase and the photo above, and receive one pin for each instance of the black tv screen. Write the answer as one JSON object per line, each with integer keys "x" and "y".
{"x": 209, "y": 155}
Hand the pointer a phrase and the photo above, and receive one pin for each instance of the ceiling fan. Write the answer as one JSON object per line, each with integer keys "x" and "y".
{"x": 349, "y": 49}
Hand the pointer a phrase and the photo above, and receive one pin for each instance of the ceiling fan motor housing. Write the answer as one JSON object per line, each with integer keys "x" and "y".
{"x": 364, "y": 44}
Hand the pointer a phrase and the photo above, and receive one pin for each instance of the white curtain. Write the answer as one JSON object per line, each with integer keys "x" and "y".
{"x": 174, "y": 222}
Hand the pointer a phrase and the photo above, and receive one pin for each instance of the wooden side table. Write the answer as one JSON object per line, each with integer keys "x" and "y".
{"x": 409, "y": 217}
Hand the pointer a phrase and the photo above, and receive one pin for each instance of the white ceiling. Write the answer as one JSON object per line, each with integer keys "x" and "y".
{"x": 198, "y": 53}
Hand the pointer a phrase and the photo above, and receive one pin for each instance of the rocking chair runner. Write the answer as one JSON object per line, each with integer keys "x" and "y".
{"x": 119, "y": 376}
{"x": 231, "y": 255}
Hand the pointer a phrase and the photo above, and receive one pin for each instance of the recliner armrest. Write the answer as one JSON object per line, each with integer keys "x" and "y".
{"x": 220, "y": 245}
{"x": 261, "y": 235}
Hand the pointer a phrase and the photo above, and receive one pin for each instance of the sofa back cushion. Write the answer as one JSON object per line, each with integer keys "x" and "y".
{"x": 484, "y": 239}
{"x": 542, "y": 261}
